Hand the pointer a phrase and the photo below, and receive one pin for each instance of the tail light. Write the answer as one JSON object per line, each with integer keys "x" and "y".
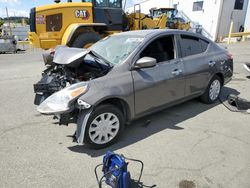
{"x": 230, "y": 56}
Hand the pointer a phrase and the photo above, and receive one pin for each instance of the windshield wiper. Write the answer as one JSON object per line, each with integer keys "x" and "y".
{"x": 110, "y": 65}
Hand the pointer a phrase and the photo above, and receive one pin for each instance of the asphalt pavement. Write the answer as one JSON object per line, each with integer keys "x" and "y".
{"x": 190, "y": 145}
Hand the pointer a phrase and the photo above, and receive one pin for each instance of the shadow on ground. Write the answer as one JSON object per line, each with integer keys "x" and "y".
{"x": 166, "y": 119}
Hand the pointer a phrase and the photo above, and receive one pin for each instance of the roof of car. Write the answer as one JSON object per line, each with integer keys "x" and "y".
{"x": 147, "y": 33}
{"x": 151, "y": 32}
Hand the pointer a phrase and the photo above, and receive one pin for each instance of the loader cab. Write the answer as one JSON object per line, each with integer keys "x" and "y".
{"x": 109, "y": 12}
{"x": 169, "y": 12}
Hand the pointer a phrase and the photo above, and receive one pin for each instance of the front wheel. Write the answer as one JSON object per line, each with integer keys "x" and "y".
{"x": 213, "y": 91}
{"x": 104, "y": 126}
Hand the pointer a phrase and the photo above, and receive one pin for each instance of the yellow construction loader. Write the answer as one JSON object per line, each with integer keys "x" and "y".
{"x": 80, "y": 24}
{"x": 173, "y": 21}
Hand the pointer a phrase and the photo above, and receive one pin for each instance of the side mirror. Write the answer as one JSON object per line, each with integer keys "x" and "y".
{"x": 145, "y": 62}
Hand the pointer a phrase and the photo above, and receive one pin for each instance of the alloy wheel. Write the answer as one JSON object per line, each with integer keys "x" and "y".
{"x": 214, "y": 90}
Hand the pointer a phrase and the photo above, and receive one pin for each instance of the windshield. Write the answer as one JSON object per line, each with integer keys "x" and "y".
{"x": 116, "y": 48}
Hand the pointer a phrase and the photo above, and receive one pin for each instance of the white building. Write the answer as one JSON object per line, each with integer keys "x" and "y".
{"x": 247, "y": 21}
{"x": 146, "y": 5}
{"x": 214, "y": 15}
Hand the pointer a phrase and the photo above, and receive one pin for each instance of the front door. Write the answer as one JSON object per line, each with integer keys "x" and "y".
{"x": 162, "y": 84}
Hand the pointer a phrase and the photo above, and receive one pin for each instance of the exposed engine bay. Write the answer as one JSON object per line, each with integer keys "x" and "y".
{"x": 68, "y": 66}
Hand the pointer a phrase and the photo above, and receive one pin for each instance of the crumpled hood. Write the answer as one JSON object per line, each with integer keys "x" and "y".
{"x": 65, "y": 55}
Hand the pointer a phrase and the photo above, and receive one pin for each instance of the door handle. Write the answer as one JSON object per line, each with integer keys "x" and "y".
{"x": 211, "y": 63}
{"x": 177, "y": 72}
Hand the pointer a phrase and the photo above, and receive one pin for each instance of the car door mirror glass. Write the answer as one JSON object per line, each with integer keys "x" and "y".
{"x": 145, "y": 62}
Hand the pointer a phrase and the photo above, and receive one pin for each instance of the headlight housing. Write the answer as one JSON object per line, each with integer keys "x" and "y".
{"x": 59, "y": 101}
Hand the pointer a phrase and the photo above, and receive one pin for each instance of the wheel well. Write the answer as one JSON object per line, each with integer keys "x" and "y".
{"x": 85, "y": 29}
{"x": 120, "y": 104}
{"x": 221, "y": 77}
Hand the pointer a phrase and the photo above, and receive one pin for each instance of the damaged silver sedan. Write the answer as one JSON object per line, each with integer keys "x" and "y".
{"x": 129, "y": 75}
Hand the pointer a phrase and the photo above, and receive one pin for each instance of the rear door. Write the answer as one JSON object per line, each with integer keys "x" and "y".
{"x": 162, "y": 84}
{"x": 198, "y": 63}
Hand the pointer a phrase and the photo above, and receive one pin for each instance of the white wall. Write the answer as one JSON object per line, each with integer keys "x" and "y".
{"x": 215, "y": 16}
{"x": 228, "y": 13}
{"x": 208, "y": 18}
{"x": 146, "y": 6}
{"x": 247, "y": 21}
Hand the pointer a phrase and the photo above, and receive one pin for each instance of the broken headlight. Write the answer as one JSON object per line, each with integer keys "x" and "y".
{"x": 59, "y": 101}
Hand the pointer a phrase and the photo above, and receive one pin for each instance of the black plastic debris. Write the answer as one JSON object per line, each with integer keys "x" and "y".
{"x": 236, "y": 104}
{"x": 247, "y": 66}
{"x": 229, "y": 97}
{"x": 239, "y": 103}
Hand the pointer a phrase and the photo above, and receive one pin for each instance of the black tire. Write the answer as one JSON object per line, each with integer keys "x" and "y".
{"x": 84, "y": 39}
{"x": 98, "y": 111}
{"x": 205, "y": 98}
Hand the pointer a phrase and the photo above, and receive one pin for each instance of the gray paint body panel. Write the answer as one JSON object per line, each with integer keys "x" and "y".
{"x": 147, "y": 89}
{"x": 65, "y": 55}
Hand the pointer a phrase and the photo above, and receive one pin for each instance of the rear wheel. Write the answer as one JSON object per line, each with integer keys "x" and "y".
{"x": 85, "y": 40}
{"x": 104, "y": 126}
{"x": 213, "y": 91}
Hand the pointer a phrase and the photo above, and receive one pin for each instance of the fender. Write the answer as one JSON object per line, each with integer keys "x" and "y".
{"x": 72, "y": 28}
{"x": 125, "y": 105}
{"x": 84, "y": 117}
{"x": 81, "y": 125}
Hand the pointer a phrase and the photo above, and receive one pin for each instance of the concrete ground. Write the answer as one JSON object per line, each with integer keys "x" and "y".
{"x": 190, "y": 145}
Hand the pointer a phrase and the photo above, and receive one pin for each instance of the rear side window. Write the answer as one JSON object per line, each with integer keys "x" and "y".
{"x": 204, "y": 45}
{"x": 191, "y": 45}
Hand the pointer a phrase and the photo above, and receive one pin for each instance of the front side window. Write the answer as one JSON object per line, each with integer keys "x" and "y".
{"x": 117, "y": 48}
{"x": 198, "y": 6}
{"x": 162, "y": 49}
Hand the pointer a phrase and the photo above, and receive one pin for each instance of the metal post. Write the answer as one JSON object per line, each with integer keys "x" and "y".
{"x": 125, "y": 3}
{"x": 8, "y": 20}
{"x": 243, "y": 38}
{"x": 230, "y": 32}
